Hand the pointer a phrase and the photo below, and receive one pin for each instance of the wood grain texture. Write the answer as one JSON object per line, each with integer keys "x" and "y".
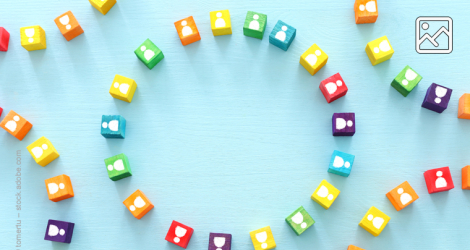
{"x": 231, "y": 134}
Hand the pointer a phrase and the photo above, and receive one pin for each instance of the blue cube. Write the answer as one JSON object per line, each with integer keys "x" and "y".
{"x": 113, "y": 126}
{"x": 282, "y": 35}
{"x": 341, "y": 163}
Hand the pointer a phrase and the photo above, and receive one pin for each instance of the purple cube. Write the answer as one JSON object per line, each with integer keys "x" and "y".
{"x": 220, "y": 241}
{"x": 59, "y": 231}
{"x": 437, "y": 98}
{"x": 344, "y": 124}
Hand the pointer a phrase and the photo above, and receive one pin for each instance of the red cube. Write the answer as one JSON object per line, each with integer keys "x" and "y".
{"x": 179, "y": 234}
{"x": 333, "y": 87}
{"x": 438, "y": 180}
{"x": 4, "y": 39}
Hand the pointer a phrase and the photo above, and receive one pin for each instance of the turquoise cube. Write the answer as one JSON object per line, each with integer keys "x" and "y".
{"x": 282, "y": 35}
{"x": 341, "y": 163}
{"x": 300, "y": 220}
{"x": 113, "y": 126}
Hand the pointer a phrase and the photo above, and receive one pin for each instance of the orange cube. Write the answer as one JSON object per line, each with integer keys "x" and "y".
{"x": 187, "y": 31}
{"x": 464, "y": 107}
{"x": 68, "y": 25}
{"x": 351, "y": 247}
{"x": 16, "y": 125}
{"x": 138, "y": 204}
{"x": 402, "y": 196}
{"x": 366, "y": 11}
{"x": 466, "y": 177}
{"x": 59, "y": 188}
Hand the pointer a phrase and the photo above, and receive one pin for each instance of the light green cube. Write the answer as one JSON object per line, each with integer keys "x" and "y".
{"x": 118, "y": 167}
{"x": 255, "y": 24}
{"x": 406, "y": 81}
{"x": 149, "y": 54}
{"x": 300, "y": 220}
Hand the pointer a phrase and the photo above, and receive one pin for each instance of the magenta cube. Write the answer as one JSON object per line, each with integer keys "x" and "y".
{"x": 4, "y": 39}
{"x": 437, "y": 98}
{"x": 59, "y": 231}
{"x": 218, "y": 241}
{"x": 344, "y": 124}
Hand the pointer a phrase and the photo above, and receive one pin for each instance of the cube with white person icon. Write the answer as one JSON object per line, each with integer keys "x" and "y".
{"x": 406, "y": 81}
{"x": 118, "y": 167}
{"x": 374, "y": 221}
{"x": 113, "y": 126}
{"x": 263, "y": 239}
{"x": 300, "y": 220}
{"x": 341, "y": 163}
{"x": 123, "y": 88}
{"x": 437, "y": 98}
{"x": 33, "y": 38}
{"x": 138, "y": 204}
{"x": 149, "y": 54}
{"x": 219, "y": 241}
{"x": 59, "y": 188}
{"x": 59, "y": 231}
{"x": 282, "y": 35}
{"x": 325, "y": 194}
{"x": 344, "y": 124}
{"x": 42, "y": 151}
{"x": 313, "y": 59}
{"x": 379, "y": 50}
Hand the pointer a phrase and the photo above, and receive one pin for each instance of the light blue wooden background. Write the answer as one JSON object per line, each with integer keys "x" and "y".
{"x": 231, "y": 134}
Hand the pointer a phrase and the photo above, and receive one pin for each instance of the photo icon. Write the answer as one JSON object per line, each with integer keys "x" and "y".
{"x": 434, "y": 35}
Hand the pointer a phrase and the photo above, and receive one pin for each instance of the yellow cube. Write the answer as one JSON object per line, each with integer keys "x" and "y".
{"x": 33, "y": 38}
{"x": 263, "y": 239}
{"x": 313, "y": 59}
{"x": 379, "y": 50}
{"x": 103, "y": 6}
{"x": 325, "y": 194}
{"x": 220, "y": 23}
{"x": 374, "y": 221}
{"x": 42, "y": 151}
{"x": 123, "y": 88}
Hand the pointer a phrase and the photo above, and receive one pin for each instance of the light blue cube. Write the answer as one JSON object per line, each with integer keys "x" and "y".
{"x": 113, "y": 126}
{"x": 341, "y": 163}
{"x": 282, "y": 35}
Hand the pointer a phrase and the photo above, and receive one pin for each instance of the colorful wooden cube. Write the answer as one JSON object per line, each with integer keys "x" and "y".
{"x": 341, "y": 163}
{"x": 263, "y": 238}
{"x": 325, "y": 194}
{"x": 255, "y": 24}
{"x": 464, "y": 107}
{"x": 16, "y": 125}
{"x": 351, "y": 247}
{"x": 1, "y": 111}
{"x": 466, "y": 177}
{"x": 179, "y": 234}
{"x": 149, "y": 54}
{"x": 402, "y": 196}
{"x": 113, "y": 126}
{"x": 118, "y": 167}
{"x": 103, "y": 6}
{"x": 123, "y": 88}
{"x": 379, "y": 50}
{"x": 33, "y": 38}
{"x": 138, "y": 204}
{"x": 406, "y": 81}
{"x": 313, "y": 59}
{"x": 218, "y": 241}
{"x": 374, "y": 221}
{"x": 59, "y": 231}
{"x": 282, "y": 35}
{"x": 187, "y": 31}
{"x": 220, "y": 22}
{"x": 59, "y": 188}
{"x": 437, "y": 98}
{"x": 366, "y": 11}
{"x": 333, "y": 88}
{"x": 68, "y": 25}
{"x": 438, "y": 180}
{"x": 344, "y": 124}
{"x": 300, "y": 220}
{"x": 4, "y": 39}
{"x": 42, "y": 151}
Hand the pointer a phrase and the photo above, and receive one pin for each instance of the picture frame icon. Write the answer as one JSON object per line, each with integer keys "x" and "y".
{"x": 428, "y": 42}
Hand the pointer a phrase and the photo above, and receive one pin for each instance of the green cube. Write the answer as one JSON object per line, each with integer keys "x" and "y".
{"x": 149, "y": 54}
{"x": 255, "y": 24}
{"x": 406, "y": 81}
{"x": 300, "y": 220}
{"x": 118, "y": 167}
